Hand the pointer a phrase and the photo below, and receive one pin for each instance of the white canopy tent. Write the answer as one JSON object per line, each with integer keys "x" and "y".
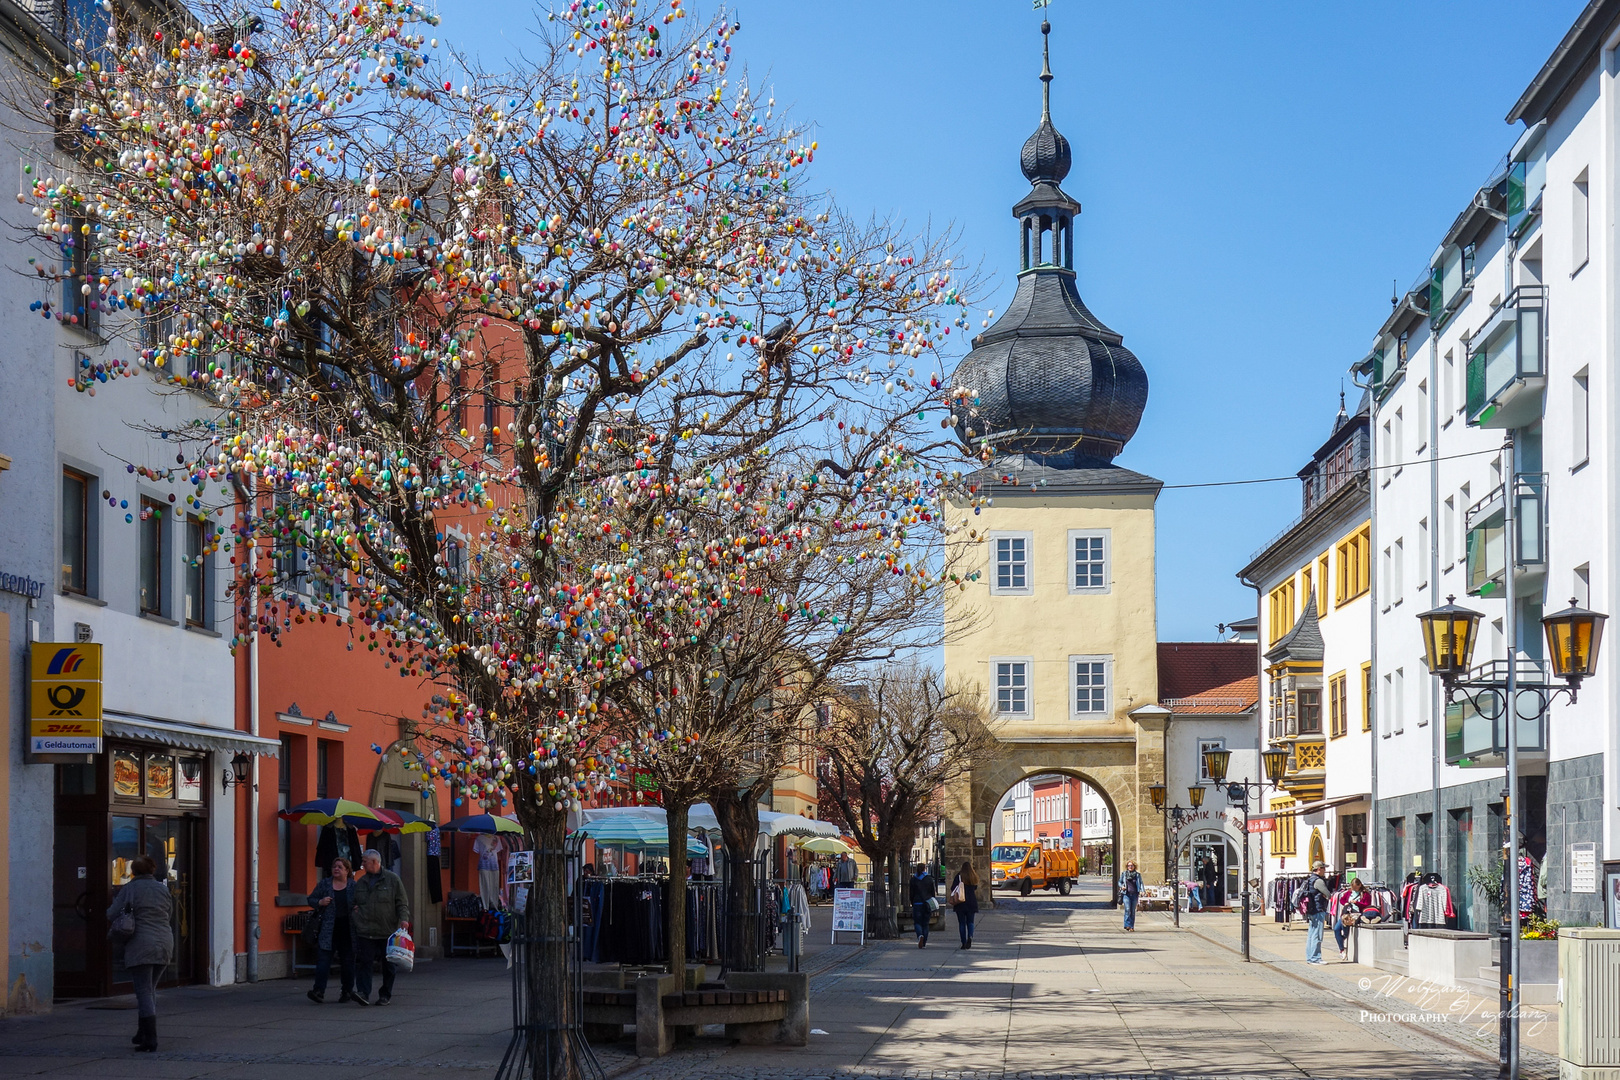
{"x": 701, "y": 818}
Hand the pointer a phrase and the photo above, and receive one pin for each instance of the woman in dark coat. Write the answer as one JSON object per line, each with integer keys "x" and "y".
{"x": 331, "y": 900}
{"x": 152, "y": 948}
{"x": 966, "y": 886}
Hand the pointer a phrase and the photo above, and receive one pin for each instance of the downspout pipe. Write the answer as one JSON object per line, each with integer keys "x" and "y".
{"x": 252, "y": 964}
{"x": 1437, "y": 712}
{"x": 1375, "y": 870}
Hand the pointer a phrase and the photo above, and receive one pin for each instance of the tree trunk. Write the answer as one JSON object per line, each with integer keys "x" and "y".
{"x": 883, "y": 922}
{"x": 549, "y": 1006}
{"x": 739, "y": 827}
{"x": 675, "y": 905}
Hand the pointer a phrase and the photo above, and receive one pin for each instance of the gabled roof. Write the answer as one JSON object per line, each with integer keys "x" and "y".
{"x": 1210, "y": 678}
{"x": 1303, "y": 642}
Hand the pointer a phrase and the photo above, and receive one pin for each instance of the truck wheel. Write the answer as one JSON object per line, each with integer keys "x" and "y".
{"x": 1024, "y": 887}
{"x": 1063, "y": 887}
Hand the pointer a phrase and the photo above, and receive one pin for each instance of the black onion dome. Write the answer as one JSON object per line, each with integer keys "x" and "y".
{"x": 1049, "y": 379}
{"x": 1046, "y": 155}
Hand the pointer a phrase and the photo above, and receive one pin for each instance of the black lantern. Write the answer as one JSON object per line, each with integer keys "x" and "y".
{"x": 1216, "y": 761}
{"x": 1449, "y": 634}
{"x": 1156, "y": 793}
{"x": 237, "y": 774}
{"x": 1195, "y": 794}
{"x": 1573, "y": 637}
{"x": 1276, "y": 763}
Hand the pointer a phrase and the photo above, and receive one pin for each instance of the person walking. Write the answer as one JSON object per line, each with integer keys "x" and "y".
{"x": 380, "y": 908}
{"x": 922, "y": 913}
{"x": 150, "y": 949}
{"x": 1130, "y": 891}
{"x": 964, "y": 898}
{"x": 333, "y": 901}
{"x": 1311, "y": 900}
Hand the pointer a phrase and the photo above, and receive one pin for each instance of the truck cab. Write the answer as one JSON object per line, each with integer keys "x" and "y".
{"x": 1029, "y": 866}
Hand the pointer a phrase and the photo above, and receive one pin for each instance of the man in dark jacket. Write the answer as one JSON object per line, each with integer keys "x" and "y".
{"x": 922, "y": 891}
{"x": 380, "y": 908}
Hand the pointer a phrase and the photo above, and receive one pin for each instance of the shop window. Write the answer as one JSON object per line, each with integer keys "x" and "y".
{"x": 189, "y": 779}
{"x": 322, "y": 762}
{"x": 1204, "y": 746}
{"x": 152, "y": 578}
{"x": 77, "y": 517}
{"x": 1395, "y": 848}
{"x": 1283, "y": 834}
{"x": 126, "y": 775}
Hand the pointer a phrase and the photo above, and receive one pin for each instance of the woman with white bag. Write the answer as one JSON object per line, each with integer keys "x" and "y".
{"x": 965, "y": 902}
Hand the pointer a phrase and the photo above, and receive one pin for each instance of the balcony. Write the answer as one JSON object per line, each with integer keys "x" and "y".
{"x": 1507, "y": 362}
{"x": 1487, "y": 530}
{"x": 1477, "y": 739}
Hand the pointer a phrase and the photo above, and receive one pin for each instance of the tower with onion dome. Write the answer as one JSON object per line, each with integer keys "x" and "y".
{"x": 1055, "y": 620}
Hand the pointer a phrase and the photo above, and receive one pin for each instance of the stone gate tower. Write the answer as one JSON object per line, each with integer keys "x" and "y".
{"x": 1059, "y": 628}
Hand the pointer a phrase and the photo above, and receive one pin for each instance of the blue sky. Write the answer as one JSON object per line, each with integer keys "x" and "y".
{"x": 1254, "y": 176}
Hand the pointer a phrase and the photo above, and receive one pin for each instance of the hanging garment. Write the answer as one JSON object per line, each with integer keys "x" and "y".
{"x": 332, "y": 843}
{"x": 1434, "y": 908}
{"x": 488, "y": 849}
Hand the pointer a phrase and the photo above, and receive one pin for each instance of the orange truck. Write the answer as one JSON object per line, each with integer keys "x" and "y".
{"x": 1027, "y": 867}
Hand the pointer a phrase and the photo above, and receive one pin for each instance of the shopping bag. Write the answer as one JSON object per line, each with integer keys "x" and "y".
{"x": 402, "y": 950}
{"x": 959, "y": 894}
{"x": 122, "y": 928}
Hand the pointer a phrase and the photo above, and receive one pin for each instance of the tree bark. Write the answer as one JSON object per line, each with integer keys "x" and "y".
{"x": 550, "y": 999}
{"x": 739, "y": 827}
{"x": 675, "y": 905}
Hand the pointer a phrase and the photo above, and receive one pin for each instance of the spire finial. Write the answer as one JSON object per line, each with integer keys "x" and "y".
{"x": 1046, "y": 70}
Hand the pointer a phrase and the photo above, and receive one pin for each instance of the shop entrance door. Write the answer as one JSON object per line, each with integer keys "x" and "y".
{"x": 79, "y": 935}
{"x": 1209, "y": 869}
{"x": 171, "y": 844}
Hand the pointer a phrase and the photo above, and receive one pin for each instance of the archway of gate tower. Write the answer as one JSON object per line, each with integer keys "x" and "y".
{"x": 1117, "y": 770}
{"x": 1056, "y": 810}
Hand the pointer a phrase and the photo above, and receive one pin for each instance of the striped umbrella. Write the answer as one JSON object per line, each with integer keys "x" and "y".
{"x": 482, "y": 823}
{"x": 340, "y": 812}
{"x": 408, "y": 822}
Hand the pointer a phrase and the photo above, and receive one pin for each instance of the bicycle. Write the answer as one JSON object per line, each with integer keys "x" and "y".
{"x": 1257, "y": 902}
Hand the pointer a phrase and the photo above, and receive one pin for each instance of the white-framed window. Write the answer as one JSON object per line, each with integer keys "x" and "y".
{"x": 1093, "y": 684}
{"x": 1009, "y": 685}
{"x": 1089, "y": 556}
{"x": 1203, "y": 745}
{"x": 1010, "y": 571}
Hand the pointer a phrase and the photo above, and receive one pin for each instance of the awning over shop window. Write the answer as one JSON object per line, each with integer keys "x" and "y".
{"x": 187, "y": 736}
{"x": 1323, "y": 804}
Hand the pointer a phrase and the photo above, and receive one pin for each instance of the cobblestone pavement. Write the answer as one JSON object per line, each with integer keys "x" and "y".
{"x": 1052, "y": 990}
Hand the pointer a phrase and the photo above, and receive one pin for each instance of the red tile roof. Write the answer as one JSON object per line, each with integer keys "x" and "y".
{"x": 1208, "y": 677}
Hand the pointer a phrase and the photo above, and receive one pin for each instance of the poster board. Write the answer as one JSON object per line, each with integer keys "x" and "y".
{"x": 520, "y": 868}
{"x": 1611, "y": 894}
{"x": 849, "y": 913}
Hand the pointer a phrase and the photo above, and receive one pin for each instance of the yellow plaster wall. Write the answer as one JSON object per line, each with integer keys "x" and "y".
{"x": 1053, "y": 624}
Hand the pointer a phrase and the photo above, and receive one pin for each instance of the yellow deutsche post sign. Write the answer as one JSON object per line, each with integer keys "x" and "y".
{"x": 64, "y": 698}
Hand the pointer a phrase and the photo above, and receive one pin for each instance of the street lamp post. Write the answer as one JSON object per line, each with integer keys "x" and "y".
{"x": 1167, "y": 814}
{"x": 1275, "y": 762}
{"x": 1574, "y": 636}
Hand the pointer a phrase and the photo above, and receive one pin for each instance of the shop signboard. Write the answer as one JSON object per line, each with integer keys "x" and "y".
{"x": 1262, "y": 825}
{"x": 64, "y": 698}
{"x": 849, "y": 913}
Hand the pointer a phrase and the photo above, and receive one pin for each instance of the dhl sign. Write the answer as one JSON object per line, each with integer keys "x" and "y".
{"x": 64, "y": 698}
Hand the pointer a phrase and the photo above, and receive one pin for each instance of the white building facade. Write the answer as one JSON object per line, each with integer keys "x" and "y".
{"x": 1314, "y": 627}
{"x": 115, "y": 547}
{"x": 1508, "y": 338}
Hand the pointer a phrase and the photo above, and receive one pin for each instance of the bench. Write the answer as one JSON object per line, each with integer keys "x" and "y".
{"x": 1446, "y": 957}
{"x": 756, "y": 1008}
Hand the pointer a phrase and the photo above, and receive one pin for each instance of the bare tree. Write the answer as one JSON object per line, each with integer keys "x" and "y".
{"x": 899, "y": 736}
{"x": 459, "y": 324}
